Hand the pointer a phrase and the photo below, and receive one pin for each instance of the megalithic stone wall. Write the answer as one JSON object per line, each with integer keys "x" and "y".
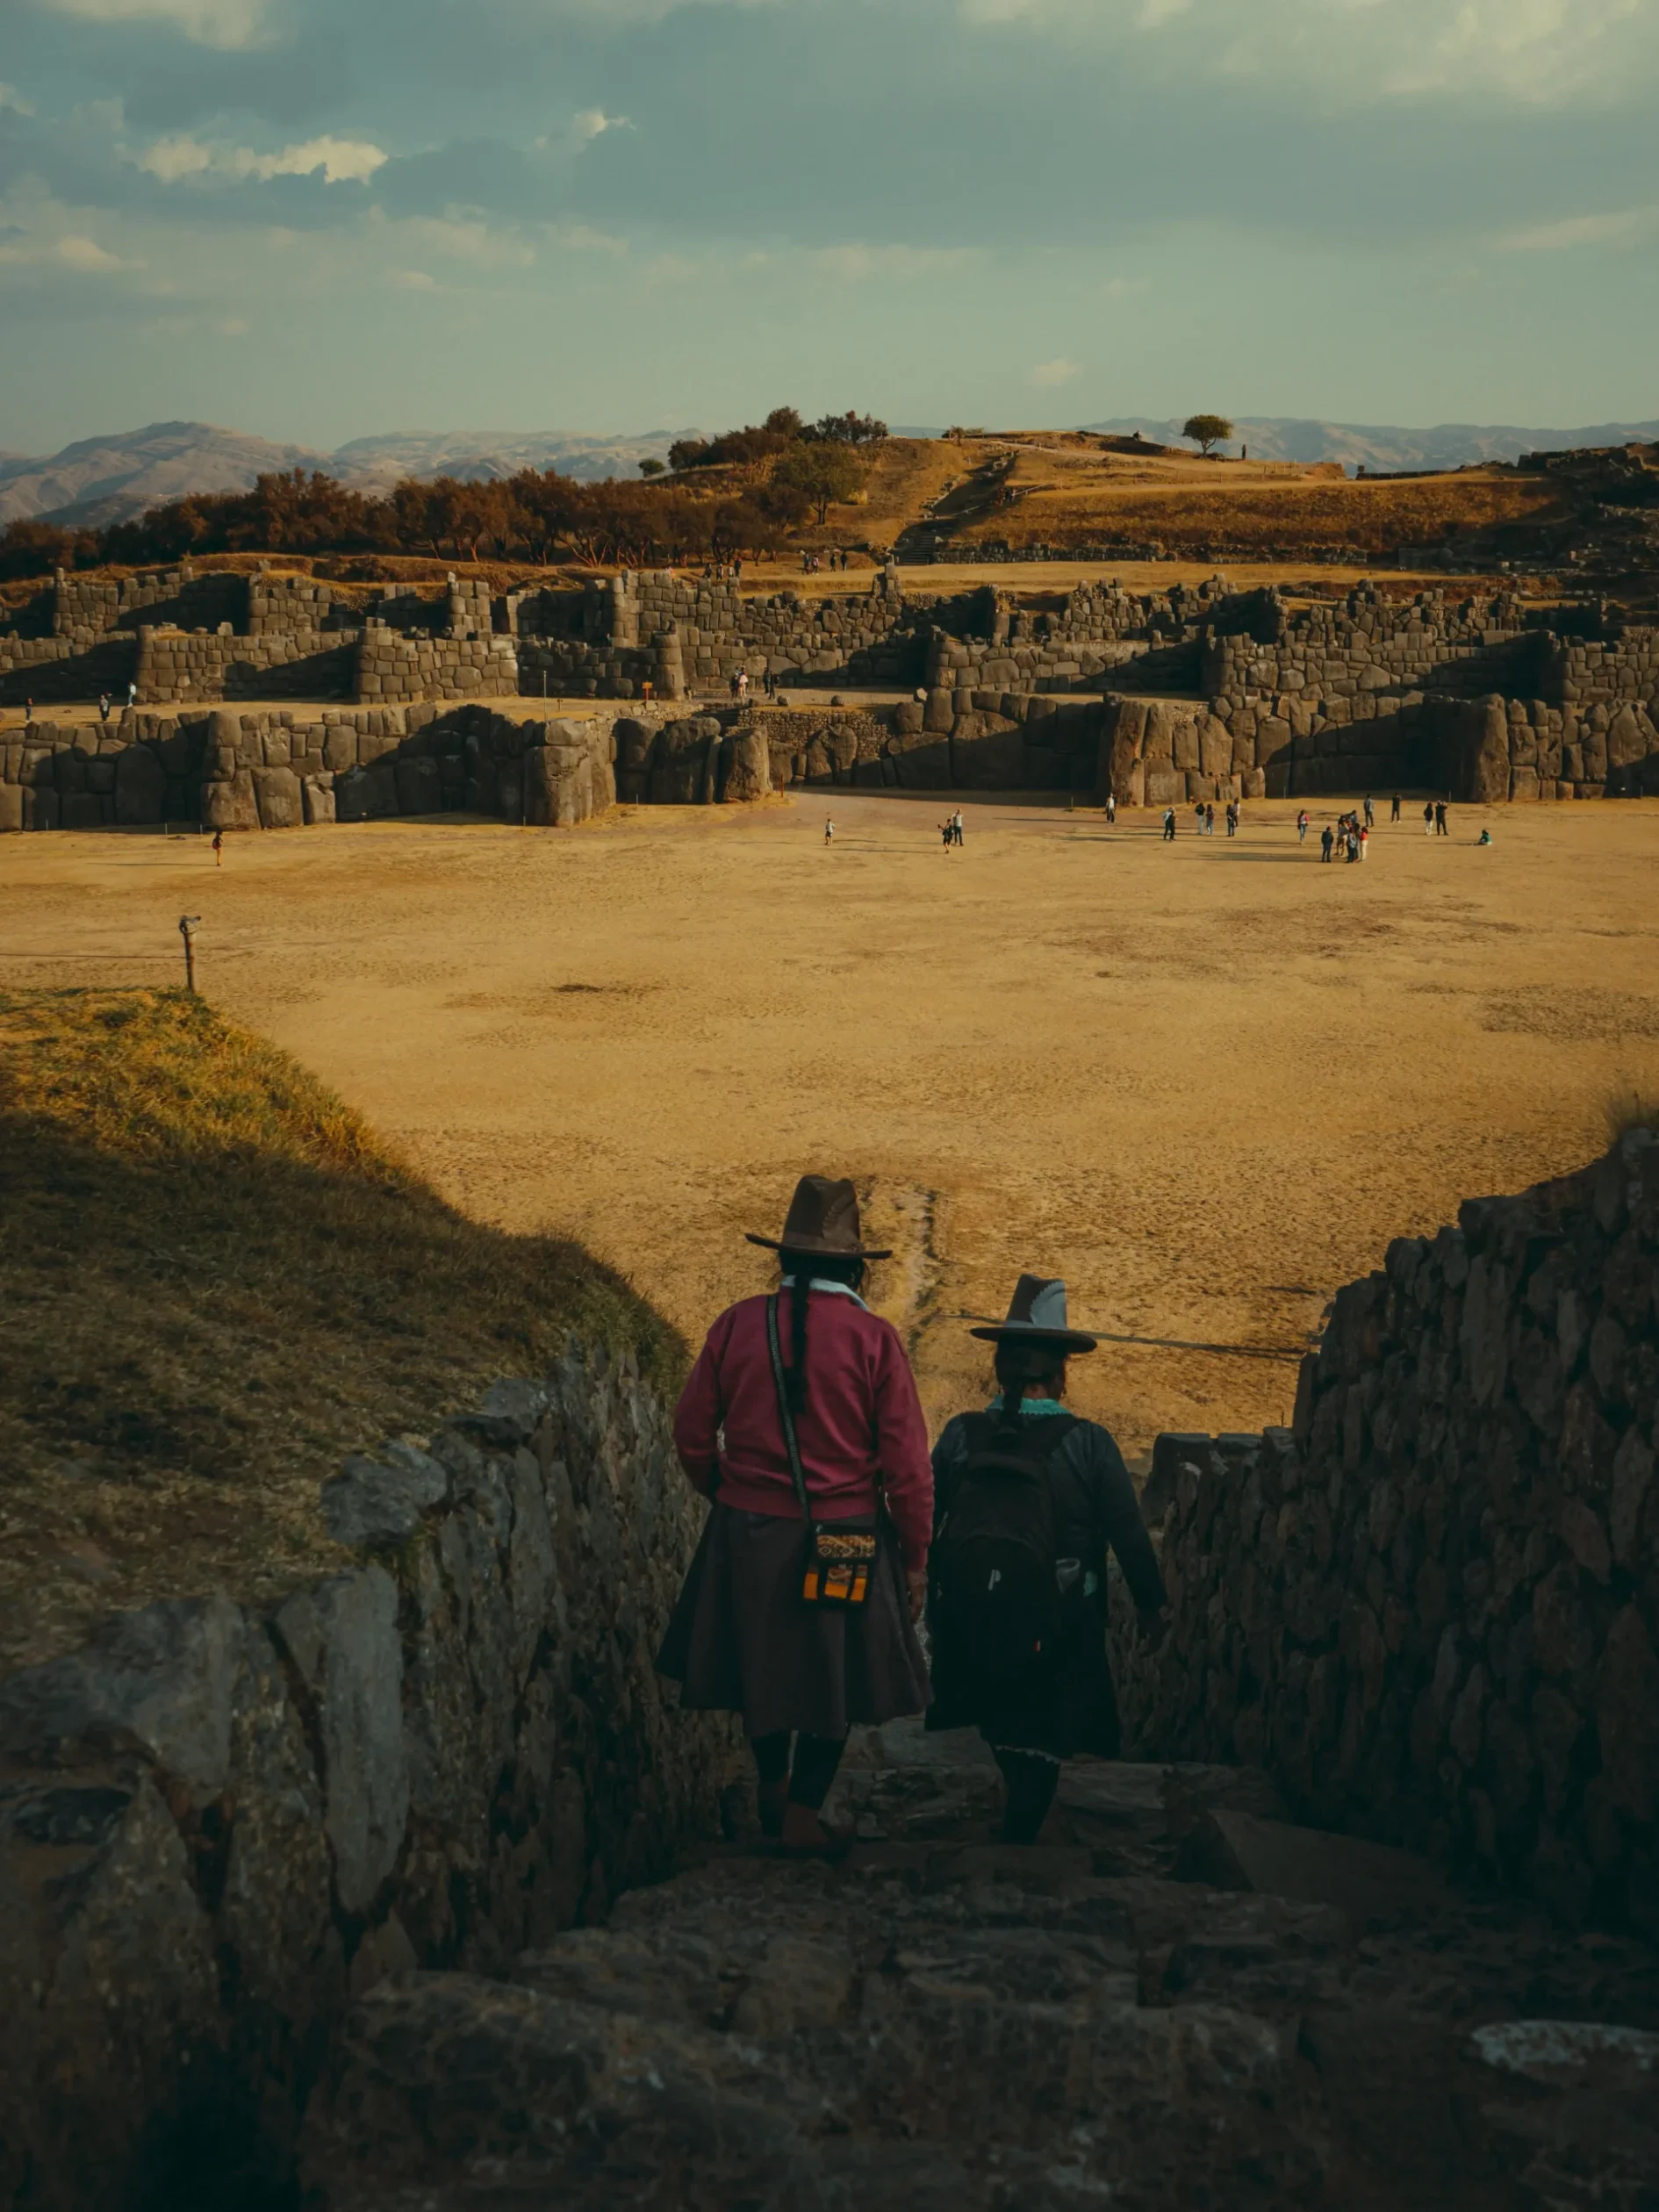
{"x": 220, "y": 1822}
{"x": 1433, "y": 1608}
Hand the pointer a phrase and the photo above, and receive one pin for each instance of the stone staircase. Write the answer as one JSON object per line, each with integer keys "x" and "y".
{"x": 1175, "y": 1999}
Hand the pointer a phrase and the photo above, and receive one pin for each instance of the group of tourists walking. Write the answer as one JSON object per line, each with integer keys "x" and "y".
{"x": 834, "y": 1535}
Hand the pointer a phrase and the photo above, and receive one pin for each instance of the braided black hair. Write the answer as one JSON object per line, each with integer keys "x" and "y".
{"x": 1018, "y": 1364}
{"x": 803, "y": 1265}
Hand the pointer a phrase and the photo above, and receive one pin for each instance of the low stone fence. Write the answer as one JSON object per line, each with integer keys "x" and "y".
{"x": 1433, "y": 1608}
{"x": 220, "y": 1823}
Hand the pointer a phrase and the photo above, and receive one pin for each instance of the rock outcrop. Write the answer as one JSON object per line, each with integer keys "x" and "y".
{"x": 219, "y": 1825}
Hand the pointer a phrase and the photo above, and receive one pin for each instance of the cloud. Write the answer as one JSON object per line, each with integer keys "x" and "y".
{"x": 86, "y": 255}
{"x": 1540, "y": 52}
{"x": 413, "y": 280}
{"x": 21, "y": 248}
{"x": 342, "y": 161}
{"x": 1629, "y": 226}
{"x": 1049, "y": 374}
{"x": 593, "y": 123}
{"x": 230, "y": 24}
{"x": 11, "y": 98}
{"x": 459, "y": 237}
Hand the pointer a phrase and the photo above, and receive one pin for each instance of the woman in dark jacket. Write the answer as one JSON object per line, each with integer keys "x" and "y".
{"x": 745, "y": 1637}
{"x": 1025, "y": 1663}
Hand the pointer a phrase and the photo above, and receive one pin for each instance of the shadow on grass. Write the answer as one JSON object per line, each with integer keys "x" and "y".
{"x": 216, "y": 1284}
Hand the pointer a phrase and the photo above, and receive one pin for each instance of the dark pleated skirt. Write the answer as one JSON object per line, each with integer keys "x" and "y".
{"x": 743, "y": 1638}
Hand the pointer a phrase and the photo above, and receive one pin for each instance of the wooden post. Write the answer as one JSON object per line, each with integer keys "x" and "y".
{"x": 186, "y": 929}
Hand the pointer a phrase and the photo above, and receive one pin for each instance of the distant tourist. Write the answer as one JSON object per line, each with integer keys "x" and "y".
{"x": 1301, "y": 825}
{"x": 1394, "y": 812}
{"x": 1428, "y": 818}
{"x": 1484, "y": 839}
{"x": 828, "y": 830}
{"x": 1232, "y": 818}
{"x": 1169, "y": 825}
{"x": 1198, "y": 816}
{"x": 802, "y": 1424}
{"x": 105, "y": 704}
{"x": 1364, "y": 841}
{"x": 947, "y": 831}
{"x": 1111, "y": 806}
{"x": 645, "y": 691}
{"x": 1442, "y": 828}
{"x": 1370, "y": 813}
{"x": 218, "y": 848}
{"x": 1029, "y": 1501}
{"x": 743, "y": 686}
{"x": 956, "y": 826}
{"x": 1327, "y": 838}
{"x": 1210, "y": 819}
{"x": 131, "y": 696}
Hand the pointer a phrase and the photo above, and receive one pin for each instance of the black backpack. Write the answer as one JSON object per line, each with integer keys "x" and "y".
{"x": 996, "y": 1601}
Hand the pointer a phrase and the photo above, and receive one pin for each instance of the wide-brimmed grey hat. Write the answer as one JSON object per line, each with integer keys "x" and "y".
{"x": 1036, "y": 1315}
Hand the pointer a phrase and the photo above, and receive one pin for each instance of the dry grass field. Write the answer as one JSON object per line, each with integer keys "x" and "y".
{"x": 216, "y": 1279}
{"x": 1068, "y": 490}
{"x": 1207, "y": 1083}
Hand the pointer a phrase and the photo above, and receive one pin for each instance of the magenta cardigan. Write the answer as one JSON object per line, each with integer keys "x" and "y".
{"x": 861, "y": 1430}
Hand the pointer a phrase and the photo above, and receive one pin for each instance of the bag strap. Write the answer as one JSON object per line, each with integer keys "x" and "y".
{"x": 784, "y": 1414}
{"x": 1038, "y": 1436}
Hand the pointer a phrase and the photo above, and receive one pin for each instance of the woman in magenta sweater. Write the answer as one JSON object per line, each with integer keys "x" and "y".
{"x": 801, "y": 1421}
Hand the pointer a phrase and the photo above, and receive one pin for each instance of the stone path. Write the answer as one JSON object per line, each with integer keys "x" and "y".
{"x": 1175, "y": 1999}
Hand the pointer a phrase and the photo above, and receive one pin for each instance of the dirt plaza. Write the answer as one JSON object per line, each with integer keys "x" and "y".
{"x": 1205, "y": 1082}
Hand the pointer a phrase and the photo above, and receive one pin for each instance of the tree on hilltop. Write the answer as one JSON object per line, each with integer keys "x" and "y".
{"x": 1208, "y": 431}
{"x": 650, "y": 466}
{"x": 851, "y": 429}
{"x": 825, "y": 472}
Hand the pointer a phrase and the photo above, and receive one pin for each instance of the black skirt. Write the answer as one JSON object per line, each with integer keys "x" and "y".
{"x": 743, "y": 1639}
{"x": 1065, "y": 1707}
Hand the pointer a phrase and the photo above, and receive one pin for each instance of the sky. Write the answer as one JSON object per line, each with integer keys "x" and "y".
{"x": 322, "y": 219}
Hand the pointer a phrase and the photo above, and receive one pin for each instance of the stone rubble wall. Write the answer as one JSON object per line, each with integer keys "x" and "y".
{"x": 1158, "y": 753}
{"x": 222, "y": 1823}
{"x": 392, "y": 666}
{"x": 280, "y": 771}
{"x": 1501, "y": 749}
{"x": 1432, "y": 1609}
{"x": 275, "y": 772}
{"x": 86, "y": 606}
{"x": 175, "y": 666}
{"x": 61, "y": 669}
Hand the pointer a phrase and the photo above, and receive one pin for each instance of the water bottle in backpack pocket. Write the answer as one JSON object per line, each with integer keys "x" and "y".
{"x": 995, "y": 1596}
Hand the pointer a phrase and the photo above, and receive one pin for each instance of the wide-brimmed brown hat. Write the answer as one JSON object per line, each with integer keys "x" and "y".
{"x": 1036, "y": 1315}
{"x": 823, "y": 1217}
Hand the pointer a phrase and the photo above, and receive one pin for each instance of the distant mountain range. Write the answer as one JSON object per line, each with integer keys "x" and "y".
{"x": 1449, "y": 445}
{"x": 109, "y": 479}
{"x": 112, "y": 478}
